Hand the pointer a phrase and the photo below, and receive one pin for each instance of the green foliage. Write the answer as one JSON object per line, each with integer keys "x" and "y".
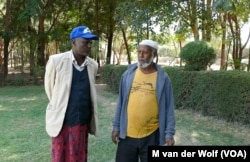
{"x": 111, "y": 74}
{"x": 65, "y": 46}
{"x": 208, "y": 92}
{"x": 197, "y": 55}
{"x": 38, "y": 75}
{"x": 17, "y": 80}
{"x": 212, "y": 93}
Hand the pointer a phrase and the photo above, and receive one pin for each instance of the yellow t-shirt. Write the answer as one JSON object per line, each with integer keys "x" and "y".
{"x": 142, "y": 106}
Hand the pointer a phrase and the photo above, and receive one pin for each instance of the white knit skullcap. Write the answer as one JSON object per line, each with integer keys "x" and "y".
{"x": 150, "y": 43}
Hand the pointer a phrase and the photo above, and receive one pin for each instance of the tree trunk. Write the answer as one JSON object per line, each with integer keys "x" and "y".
{"x": 97, "y": 30}
{"x": 237, "y": 49}
{"x": 109, "y": 50}
{"x": 193, "y": 20}
{"x": 32, "y": 46}
{"x": 223, "y": 44}
{"x": 6, "y": 41}
{"x": 6, "y": 57}
{"x": 41, "y": 43}
{"x": 208, "y": 20}
{"x": 1, "y": 51}
{"x": 180, "y": 45}
{"x": 126, "y": 45}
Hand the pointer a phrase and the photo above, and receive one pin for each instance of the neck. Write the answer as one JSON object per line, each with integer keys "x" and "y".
{"x": 80, "y": 59}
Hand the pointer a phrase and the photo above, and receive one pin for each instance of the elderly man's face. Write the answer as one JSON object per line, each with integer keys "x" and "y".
{"x": 145, "y": 56}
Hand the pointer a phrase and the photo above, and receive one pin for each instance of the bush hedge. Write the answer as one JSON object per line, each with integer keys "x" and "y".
{"x": 222, "y": 94}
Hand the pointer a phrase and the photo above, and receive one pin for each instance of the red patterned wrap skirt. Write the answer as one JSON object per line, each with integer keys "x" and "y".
{"x": 71, "y": 145}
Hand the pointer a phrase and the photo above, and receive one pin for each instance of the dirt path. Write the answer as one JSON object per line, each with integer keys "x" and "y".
{"x": 99, "y": 90}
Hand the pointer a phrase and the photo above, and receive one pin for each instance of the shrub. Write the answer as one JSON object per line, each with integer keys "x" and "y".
{"x": 111, "y": 75}
{"x": 197, "y": 55}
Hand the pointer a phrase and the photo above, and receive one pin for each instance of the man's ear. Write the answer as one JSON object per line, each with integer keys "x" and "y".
{"x": 73, "y": 41}
{"x": 156, "y": 56}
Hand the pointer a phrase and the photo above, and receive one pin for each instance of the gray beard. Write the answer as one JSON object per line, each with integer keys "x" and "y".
{"x": 146, "y": 64}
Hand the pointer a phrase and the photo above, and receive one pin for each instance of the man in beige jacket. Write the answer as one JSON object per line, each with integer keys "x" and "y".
{"x": 71, "y": 113}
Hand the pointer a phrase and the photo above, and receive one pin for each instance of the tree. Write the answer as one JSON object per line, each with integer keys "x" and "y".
{"x": 233, "y": 16}
{"x": 197, "y": 55}
{"x": 10, "y": 28}
{"x": 136, "y": 20}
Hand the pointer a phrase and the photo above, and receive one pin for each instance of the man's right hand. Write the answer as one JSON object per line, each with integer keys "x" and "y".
{"x": 115, "y": 136}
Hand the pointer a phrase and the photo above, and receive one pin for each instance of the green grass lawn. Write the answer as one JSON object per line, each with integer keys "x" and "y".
{"x": 23, "y": 137}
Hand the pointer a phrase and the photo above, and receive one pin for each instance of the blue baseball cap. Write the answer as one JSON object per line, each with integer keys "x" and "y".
{"x": 82, "y": 32}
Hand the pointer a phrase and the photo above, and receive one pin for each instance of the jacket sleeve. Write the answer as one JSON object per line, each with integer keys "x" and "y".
{"x": 49, "y": 79}
{"x": 170, "y": 116}
{"x": 116, "y": 120}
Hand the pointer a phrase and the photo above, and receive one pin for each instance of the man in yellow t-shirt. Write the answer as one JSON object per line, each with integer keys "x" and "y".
{"x": 142, "y": 108}
{"x": 145, "y": 108}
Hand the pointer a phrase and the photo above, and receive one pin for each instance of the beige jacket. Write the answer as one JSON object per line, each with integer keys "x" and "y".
{"x": 57, "y": 82}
